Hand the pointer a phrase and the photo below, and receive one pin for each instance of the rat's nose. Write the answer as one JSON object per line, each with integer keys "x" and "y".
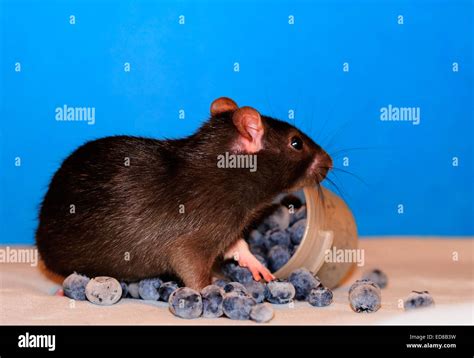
{"x": 324, "y": 165}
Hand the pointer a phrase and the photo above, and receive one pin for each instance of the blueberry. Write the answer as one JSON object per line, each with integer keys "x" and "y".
{"x": 262, "y": 313}
{"x": 279, "y": 292}
{"x": 237, "y": 306}
{"x": 74, "y": 286}
{"x": 418, "y": 299}
{"x": 297, "y": 230}
{"x": 256, "y": 290}
{"x": 277, "y": 237}
{"x": 104, "y": 291}
{"x": 124, "y": 289}
{"x": 242, "y": 275}
{"x": 185, "y": 303}
{"x": 236, "y": 273}
{"x": 320, "y": 296}
{"x": 148, "y": 289}
{"x": 133, "y": 290}
{"x": 236, "y": 287}
{"x": 255, "y": 238}
{"x": 303, "y": 281}
{"x": 278, "y": 256}
{"x": 212, "y": 300}
{"x": 279, "y": 219}
{"x": 298, "y": 215}
{"x": 166, "y": 289}
{"x": 220, "y": 282}
{"x": 376, "y": 276}
{"x": 365, "y": 296}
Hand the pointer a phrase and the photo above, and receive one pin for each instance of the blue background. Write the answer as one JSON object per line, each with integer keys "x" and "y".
{"x": 282, "y": 67}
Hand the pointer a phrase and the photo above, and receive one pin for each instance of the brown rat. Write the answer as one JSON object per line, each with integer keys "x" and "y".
{"x": 132, "y": 207}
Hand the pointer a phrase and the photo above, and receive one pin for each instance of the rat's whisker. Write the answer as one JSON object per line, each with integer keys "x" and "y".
{"x": 345, "y": 150}
{"x": 350, "y": 173}
{"x": 340, "y": 192}
{"x": 344, "y": 195}
{"x": 345, "y": 125}
{"x": 338, "y": 131}
{"x": 321, "y": 194}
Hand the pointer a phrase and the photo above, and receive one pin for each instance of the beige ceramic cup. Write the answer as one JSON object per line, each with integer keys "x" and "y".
{"x": 330, "y": 226}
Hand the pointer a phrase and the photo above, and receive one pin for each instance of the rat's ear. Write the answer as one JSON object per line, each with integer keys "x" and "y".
{"x": 223, "y": 104}
{"x": 248, "y": 122}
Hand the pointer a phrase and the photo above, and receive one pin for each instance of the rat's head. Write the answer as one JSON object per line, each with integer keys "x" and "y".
{"x": 286, "y": 157}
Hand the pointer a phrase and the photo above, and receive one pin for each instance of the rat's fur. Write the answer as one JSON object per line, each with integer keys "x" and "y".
{"x": 128, "y": 221}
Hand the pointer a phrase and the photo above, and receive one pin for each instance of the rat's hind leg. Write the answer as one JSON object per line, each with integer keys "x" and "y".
{"x": 195, "y": 271}
{"x": 195, "y": 276}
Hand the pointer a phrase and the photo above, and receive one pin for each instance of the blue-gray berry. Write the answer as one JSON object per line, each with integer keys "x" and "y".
{"x": 279, "y": 292}
{"x": 133, "y": 290}
{"x": 417, "y": 299}
{"x": 148, "y": 289}
{"x": 277, "y": 237}
{"x": 255, "y": 238}
{"x": 296, "y": 231}
{"x": 365, "y": 296}
{"x": 74, "y": 286}
{"x": 262, "y": 313}
{"x": 277, "y": 257}
{"x": 320, "y": 296}
{"x": 237, "y": 306}
{"x": 166, "y": 289}
{"x": 256, "y": 290}
{"x": 237, "y": 273}
{"x": 212, "y": 301}
{"x": 185, "y": 303}
{"x": 103, "y": 290}
{"x": 376, "y": 276}
{"x": 303, "y": 281}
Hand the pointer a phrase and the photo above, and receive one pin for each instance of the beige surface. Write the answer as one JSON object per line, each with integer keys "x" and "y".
{"x": 411, "y": 264}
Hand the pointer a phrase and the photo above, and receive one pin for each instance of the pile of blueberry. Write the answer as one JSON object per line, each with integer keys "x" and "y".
{"x": 247, "y": 299}
{"x": 276, "y": 237}
{"x": 243, "y": 300}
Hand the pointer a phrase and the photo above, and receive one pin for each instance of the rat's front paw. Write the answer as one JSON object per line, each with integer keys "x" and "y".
{"x": 256, "y": 267}
{"x": 240, "y": 252}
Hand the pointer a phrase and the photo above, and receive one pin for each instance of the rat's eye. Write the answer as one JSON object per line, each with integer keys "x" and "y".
{"x": 297, "y": 143}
